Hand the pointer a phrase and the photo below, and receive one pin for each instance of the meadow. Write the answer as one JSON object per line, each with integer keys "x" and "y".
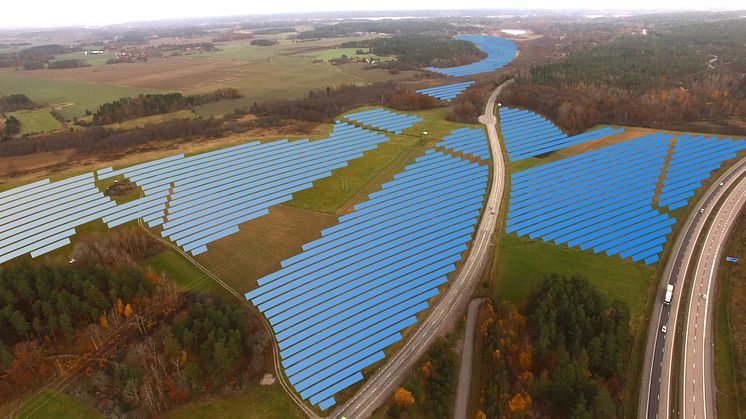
{"x": 36, "y": 121}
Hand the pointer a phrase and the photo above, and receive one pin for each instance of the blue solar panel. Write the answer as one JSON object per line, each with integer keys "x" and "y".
{"x": 339, "y": 303}
{"x": 383, "y": 120}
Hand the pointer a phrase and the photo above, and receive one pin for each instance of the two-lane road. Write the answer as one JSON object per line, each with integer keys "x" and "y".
{"x": 382, "y": 384}
{"x": 655, "y": 397}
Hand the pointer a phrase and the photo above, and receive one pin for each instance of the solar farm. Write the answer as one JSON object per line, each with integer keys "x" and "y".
{"x": 447, "y": 92}
{"x": 500, "y": 52}
{"x": 467, "y": 141}
{"x": 383, "y": 120}
{"x": 610, "y": 200}
{"x": 337, "y": 305}
{"x": 196, "y": 199}
{"x": 527, "y": 134}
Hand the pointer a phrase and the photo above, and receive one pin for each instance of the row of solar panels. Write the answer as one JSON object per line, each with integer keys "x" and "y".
{"x": 447, "y": 92}
{"x": 467, "y": 141}
{"x": 692, "y": 161}
{"x": 384, "y": 120}
{"x": 600, "y": 200}
{"x": 209, "y": 194}
{"x": 500, "y": 52}
{"x": 337, "y": 305}
{"x": 527, "y": 134}
{"x": 42, "y": 216}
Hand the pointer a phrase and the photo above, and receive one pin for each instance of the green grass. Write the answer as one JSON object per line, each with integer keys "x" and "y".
{"x": 58, "y": 406}
{"x": 152, "y": 119}
{"x": 36, "y": 121}
{"x": 71, "y": 98}
{"x": 261, "y": 402}
{"x": 180, "y": 270}
{"x": 521, "y": 263}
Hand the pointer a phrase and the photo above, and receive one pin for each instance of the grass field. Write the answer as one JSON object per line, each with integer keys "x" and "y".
{"x": 521, "y": 263}
{"x": 36, "y": 121}
{"x": 265, "y": 402}
{"x": 153, "y": 119}
{"x": 70, "y": 98}
{"x": 180, "y": 270}
{"x": 59, "y": 406}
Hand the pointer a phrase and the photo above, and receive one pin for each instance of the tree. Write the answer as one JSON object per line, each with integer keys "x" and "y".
{"x": 127, "y": 311}
{"x": 12, "y": 126}
{"x": 403, "y": 398}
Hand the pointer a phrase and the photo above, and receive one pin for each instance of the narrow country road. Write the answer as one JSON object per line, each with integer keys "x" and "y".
{"x": 655, "y": 393}
{"x": 384, "y": 382}
{"x": 467, "y": 360}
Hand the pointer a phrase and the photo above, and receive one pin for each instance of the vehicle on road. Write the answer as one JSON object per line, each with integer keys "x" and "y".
{"x": 492, "y": 210}
{"x": 664, "y": 329}
{"x": 669, "y": 294}
{"x": 701, "y": 210}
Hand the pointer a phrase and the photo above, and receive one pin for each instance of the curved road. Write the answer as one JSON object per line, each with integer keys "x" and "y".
{"x": 655, "y": 397}
{"x": 383, "y": 383}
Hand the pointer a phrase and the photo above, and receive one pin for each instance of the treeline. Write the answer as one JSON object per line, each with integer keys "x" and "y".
{"x": 323, "y": 105}
{"x": 36, "y": 54}
{"x": 430, "y": 391}
{"x": 100, "y": 139}
{"x": 421, "y": 50}
{"x": 153, "y": 104}
{"x": 274, "y": 31}
{"x": 17, "y": 102}
{"x": 63, "y": 64}
{"x": 264, "y": 42}
{"x": 562, "y": 355}
{"x": 396, "y": 27}
{"x": 663, "y": 80}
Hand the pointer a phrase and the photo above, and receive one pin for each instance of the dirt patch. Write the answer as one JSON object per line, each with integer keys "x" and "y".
{"x": 173, "y": 73}
{"x": 261, "y": 244}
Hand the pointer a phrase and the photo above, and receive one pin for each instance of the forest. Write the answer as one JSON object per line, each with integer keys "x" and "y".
{"x": 177, "y": 345}
{"x": 395, "y": 27}
{"x": 323, "y": 105}
{"x": 12, "y": 103}
{"x": 562, "y": 354}
{"x": 421, "y": 50}
{"x": 665, "y": 79}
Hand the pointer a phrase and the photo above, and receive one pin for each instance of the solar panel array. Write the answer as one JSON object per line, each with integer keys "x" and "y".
{"x": 447, "y": 92}
{"x": 467, "y": 141}
{"x": 202, "y": 198}
{"x": 42, "y": 216}
{"x": 692, "y": 161}
{"x": 527, "y": 134}
{"x": 384, "y": 120}
{"x": 337, "y": 305}
{"x": 500, "y": 52}
{"x": 600, "y": 200}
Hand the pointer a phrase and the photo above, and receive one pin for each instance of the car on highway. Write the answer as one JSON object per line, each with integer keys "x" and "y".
{"x": 701, "y": 210}
{"x": 664, "y": 329}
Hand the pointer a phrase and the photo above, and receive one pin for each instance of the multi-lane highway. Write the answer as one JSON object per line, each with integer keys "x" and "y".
{"x": 384, "y": 382}
{"x": 655, "y": 394}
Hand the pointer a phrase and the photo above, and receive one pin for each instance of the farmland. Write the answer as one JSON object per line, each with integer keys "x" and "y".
{"x": 36, "y": 121}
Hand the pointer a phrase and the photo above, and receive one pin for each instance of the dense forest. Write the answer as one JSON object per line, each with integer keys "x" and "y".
{"x": 395, "y": 27}
{"x": 172, "y": 346}
{"x": 323, "y": 105}
{"x": 421, "y": 50}
{"x": 563, "y": 354}
{"x": 666, "y": 79}
{"x": 429, "y": 391}
{"x": 34, "y": 54}
{"x": 16, "y": 102}
{"x": 153, "y": 104}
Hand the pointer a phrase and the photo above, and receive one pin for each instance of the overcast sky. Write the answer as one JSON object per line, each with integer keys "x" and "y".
{"x": 45, "y": 13}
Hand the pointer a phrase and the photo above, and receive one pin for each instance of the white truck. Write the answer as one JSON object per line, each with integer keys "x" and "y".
{"x": 669, "y": 294}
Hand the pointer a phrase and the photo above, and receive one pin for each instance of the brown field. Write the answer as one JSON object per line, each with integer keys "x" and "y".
{"x": 174, "y": 73}
{"x": 261, "y": 244}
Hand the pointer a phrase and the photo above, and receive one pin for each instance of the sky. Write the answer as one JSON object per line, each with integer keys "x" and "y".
{"x": 50, "y": 13}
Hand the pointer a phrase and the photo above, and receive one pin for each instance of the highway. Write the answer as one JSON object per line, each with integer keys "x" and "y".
{"x": 382, "y": 384}
{"x": 655, "y": 394}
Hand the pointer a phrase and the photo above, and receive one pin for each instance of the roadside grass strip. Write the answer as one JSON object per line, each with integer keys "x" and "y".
{"x": 383, "y": 120}
{"x": 692, "y": 162}
{"x": 348, "y": 295}
{"x": 500, "y": 52}
{"x": 527, "y": 134}
{"x": 447, "y": 92}
{"x": 467, "y": 141}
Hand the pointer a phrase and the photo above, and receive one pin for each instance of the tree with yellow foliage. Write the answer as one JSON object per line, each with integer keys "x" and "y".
{"x": 427, "y": 369}
{"x": 519, "y": 403}
{"x": 127, "y": 311}
{"x": 103, "y": 322}
{"x": 480, "y": 415}
{"x": 403, "y": 398}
